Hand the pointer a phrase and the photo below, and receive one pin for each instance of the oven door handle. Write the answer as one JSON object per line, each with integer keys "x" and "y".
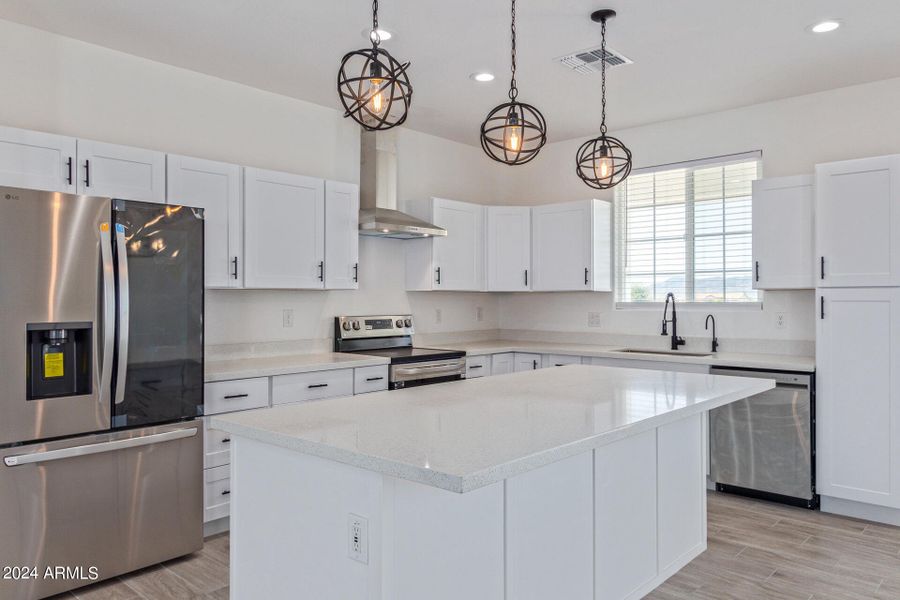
{"x": 431, "y": 370}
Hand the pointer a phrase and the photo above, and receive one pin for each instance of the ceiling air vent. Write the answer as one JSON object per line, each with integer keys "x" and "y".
{"x": 588, "y": 61}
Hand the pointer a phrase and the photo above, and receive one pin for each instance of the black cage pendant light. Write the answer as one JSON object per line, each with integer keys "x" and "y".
{"x": 373, "y": 85}
{"x": 604, "y": 161}
{"x": 514, "y": 132}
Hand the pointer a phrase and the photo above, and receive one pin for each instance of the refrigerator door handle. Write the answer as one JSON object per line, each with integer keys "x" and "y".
{"x": 109, "y": 313}
{"x": 122, "y": 257}
{"x": 87, "y": 449}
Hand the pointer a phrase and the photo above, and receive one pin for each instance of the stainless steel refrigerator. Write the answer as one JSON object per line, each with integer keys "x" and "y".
{"x": 101, "y": 387}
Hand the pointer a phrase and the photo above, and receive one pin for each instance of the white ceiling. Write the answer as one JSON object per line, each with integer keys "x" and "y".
{"x": 690, "y": 56}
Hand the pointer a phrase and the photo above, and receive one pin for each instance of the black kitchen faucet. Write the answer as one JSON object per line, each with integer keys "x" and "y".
{"x": 676, "y": 341}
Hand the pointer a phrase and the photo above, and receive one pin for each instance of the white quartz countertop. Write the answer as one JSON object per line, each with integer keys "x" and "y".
{"x": 783, "y": 362}
{"x": 463, "y": 435}
{"x": 265, "y": 366}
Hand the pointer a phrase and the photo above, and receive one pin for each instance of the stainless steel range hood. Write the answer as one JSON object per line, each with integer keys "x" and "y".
{"x": 378, "y": 215}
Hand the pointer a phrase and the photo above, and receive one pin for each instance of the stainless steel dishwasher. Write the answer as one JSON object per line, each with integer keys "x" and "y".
{"x": 764, "y": 446}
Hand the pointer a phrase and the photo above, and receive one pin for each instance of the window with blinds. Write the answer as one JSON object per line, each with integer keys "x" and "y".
{"x": 686, "y": 228}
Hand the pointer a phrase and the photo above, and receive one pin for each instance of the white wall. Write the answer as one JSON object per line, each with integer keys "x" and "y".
{"x": 65, "y": 86}
{"x": 793, "y": 134}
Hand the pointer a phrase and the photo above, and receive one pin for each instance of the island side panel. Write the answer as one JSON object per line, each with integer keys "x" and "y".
{"x": 444, "y": 545}
{"x": 289, "y": 526}
{"x": 626, "y": 504}
{"x": 550, "y": 531}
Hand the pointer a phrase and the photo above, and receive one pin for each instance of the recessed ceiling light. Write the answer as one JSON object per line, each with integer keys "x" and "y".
{"x": 825, "y": 26}
{"x": 482, "y": 77}
{"x": 383, "y": 33}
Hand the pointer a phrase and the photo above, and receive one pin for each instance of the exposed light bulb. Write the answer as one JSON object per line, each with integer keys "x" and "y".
{"x": 603, "y": 167}
{"x": 512, "y": 133}
{"x": 377, "y": 103}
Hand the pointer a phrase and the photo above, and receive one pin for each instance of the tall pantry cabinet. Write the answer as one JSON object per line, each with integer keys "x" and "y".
{"x": 858, "y": 331}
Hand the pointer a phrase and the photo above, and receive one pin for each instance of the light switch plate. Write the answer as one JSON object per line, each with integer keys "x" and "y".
{"x": 780, "y": 320}
{"x": 358, "y": 538}
{"x": 287, "y": 317}
{"x": 595, "y": 319}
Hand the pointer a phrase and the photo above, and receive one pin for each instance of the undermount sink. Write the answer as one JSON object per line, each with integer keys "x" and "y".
{"x": 665, "y": 352}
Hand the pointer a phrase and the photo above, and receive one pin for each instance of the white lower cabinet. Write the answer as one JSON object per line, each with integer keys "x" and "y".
{"x": 317, "y": 385}
{"x": 370, "y": 379}
{"x": 560, "y": 360}
{"x": 237, "y": 394}
{"x": 503, "y": 363}
{"x": 655, "y": 365}
{"x": 858, "y": 395}
{"x": 527, "y": 362}
{"x": 216, "y": 492}
{"x": 478, "y": 366}
{"x": 216, "y": 446}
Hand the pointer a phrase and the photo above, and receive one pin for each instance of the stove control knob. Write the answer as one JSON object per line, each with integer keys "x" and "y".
{"x": 407, "y": 322}
{"x": 399, "y": 323}
{"x": 356, "y": 325}
{"x": 346, "y": 326}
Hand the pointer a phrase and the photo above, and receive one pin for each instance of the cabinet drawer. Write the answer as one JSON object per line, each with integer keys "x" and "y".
{"x": 502, "y": 363}
{"x": 238, "y": 394}
{"x": 558, "y": 360}
{"x": 312, "y": 386}
{"x": 478, "y": 366}
{"x": 216, "y": 446}
{"x": 216, "y": 493}
{"x": 370, "y": 379}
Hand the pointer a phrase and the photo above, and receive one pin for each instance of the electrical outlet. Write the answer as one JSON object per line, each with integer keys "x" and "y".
{"x": 594, "y": 319}
{"x": 358, "y": 538}
{"x": 479, "y": 314}
{"x": 780, "y": 321}
{"x": 438, "y": 315}
{"x": 287, "y": 317}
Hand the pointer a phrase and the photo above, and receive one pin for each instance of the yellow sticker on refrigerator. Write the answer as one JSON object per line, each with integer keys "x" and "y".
{"x": 53, "y": 365}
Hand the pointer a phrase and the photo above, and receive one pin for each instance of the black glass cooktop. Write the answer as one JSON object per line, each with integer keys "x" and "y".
{"x": 409, "y": 354}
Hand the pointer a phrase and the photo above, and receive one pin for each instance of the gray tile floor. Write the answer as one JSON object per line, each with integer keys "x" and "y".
{"x": 757, "y": 551}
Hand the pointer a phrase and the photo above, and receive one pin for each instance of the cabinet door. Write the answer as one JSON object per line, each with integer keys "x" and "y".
{"x": 858, "y": 394}
{"x": 783, "y": 233}
{"x": 527, "y": 362}
{"x": 503, "y": 363}
{"x": 284, "y": 230}
{"x": 121, "y": 172}
{"x": 341, "y": 236}
{"x": 508, "y": 247}
{"x": 216, "y": 188}
{"x": 561, "y": 246}
{"x": 459, "y": 257}
{"x": 37, "y": 161}
{"x": 858, "y": 222}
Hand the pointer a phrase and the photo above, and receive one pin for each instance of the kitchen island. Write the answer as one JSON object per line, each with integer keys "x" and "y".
{"x": 578, "y": 482}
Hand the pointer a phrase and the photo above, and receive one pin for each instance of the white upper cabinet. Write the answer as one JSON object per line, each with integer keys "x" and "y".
{"x": 35, "y": 160}
{"x": 121, "y": 172}
{"x": 216, "y": 188}
{"x": 858, "y": 222}
{"x": 783, "y": 233}
{"x": 454, "y": 262}
{"x": 284, "y": 230}
{"x": 571, "y": 246}
{"x": 341, "y": 236}
{"x": 858, "y": 394}
{"x": 508, "y": 248}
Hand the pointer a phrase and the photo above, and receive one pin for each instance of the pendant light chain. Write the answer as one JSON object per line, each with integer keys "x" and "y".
{"x": 376, "y": 37}
{"x": 602, "y": 77}
{"x": 513, "y": 90}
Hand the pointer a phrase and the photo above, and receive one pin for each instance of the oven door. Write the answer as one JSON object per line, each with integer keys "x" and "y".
{"x": 424, "y": 373}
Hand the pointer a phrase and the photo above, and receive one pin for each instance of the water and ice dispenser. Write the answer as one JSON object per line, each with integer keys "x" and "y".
{"x": 59, "y": 360}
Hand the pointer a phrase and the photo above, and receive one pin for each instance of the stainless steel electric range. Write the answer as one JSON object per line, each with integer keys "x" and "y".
{"x": 390, "y": 336}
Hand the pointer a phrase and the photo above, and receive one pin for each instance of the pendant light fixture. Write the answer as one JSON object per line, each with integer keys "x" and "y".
{"x": 373, "y": 86}
{"x": 604, "y": 161}
{"x": 514, "y": 132}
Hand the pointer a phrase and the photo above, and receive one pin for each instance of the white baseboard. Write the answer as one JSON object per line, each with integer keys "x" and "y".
{"x": 216, "y": 527}
{"x": 860, "y": 510}
{"x": 667, "y": 572}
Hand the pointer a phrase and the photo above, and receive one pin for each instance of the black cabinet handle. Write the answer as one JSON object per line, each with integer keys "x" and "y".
{"x": 233, "y": 396}
{"x": 438, "y": 270}
{"x": 87, "y": 173}
{"x": 234, "y": 261}
{"x": 374, "y": 378}
{"x": 226, "y": 440}
{"x": 821, "y": 307}
{"x": 356, "y": 273}
{"x": 585, "y": 276}
{"x": 821, "y": 267}
{"x": 317, "y": 385}
{"x": 476, "y": 367}
{"x": 757, "y": 270}
{"x": 69, "y": 176}
{"x": 226, "y": 492}
{"x": 321, "y": 270}
{"x": 534, "y": 365}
